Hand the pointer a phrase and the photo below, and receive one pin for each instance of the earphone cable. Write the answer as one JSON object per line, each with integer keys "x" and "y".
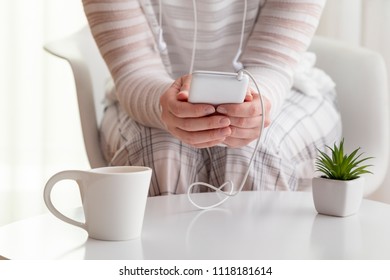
{"x": 194, "y": 41}
{"x": 231, "y": 192}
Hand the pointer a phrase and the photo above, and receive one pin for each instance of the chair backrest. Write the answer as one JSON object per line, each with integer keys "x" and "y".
{"x": 362, "y": 89}
{"x": 91, "y": 75}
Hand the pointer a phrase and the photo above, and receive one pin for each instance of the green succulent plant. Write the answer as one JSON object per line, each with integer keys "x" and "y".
{"x": 341, "y": 166}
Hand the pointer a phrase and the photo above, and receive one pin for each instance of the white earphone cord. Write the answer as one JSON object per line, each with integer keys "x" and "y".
{"x": 195, "y": 36}
{"x": 162, "y": 46}
{"x": 219, "y": 189}
{"x": 238, "y": 67}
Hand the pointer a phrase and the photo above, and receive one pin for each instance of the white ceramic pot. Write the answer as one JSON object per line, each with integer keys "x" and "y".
{"x": 336, "y": 197}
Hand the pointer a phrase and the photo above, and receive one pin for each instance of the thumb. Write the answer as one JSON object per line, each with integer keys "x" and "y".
{"x": 185, "y": 87}
{"x": 249, "y": 95}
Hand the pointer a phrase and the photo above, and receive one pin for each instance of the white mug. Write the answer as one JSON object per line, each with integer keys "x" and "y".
{"x": 113, "y": 199}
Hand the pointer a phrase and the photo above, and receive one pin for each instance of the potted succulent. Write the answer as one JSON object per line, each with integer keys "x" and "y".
{"x": 339, "y": 191}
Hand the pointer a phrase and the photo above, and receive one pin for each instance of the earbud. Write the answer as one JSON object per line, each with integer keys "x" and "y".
{"x": 162, "y": 46}
{"x": 236, "y": 64}
{"x": 240, "y": 74}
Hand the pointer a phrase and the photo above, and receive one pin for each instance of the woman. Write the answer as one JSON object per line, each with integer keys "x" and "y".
{"x": 152, "y": 46}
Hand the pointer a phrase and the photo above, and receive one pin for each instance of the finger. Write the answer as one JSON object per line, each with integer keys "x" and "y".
{"x": 177, "y": 84}
{"x": 236, "y": 142}
{"x": 248, "y": 96}
{"x": 244, "y": 133}
{"x": 185, "y": 83}
{"x": 182, "y": 96}
{"x": 175, "y": 102}
{"x": 188, "y": 110}
{"x": 201, "y": 124}
{"x": 245, "y": 122}
{"x": 184, "y": 89}
{"x": 199, "y": 138}
{"x": 246, "y": 109}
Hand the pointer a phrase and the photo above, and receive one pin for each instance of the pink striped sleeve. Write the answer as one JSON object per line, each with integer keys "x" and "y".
{"x": 283, "y": 31}
{"x": 127, "y": 45}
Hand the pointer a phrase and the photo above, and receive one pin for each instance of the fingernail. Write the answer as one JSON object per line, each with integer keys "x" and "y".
{"x": 225, "y": 131}
{"x": 221, "y": 110}
{"x": 224, "y": 121}
{"x": 209, "y": 110}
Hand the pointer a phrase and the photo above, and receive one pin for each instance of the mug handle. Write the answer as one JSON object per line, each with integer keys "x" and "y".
{"x": 64, "y": 175}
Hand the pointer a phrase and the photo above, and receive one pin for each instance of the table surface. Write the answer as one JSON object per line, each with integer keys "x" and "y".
{"x": 251, "y": 225}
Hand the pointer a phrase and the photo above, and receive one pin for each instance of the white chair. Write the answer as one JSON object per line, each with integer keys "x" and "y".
{"x": 363, "y": 97}
{"x": 359, "y": 73}
{"x": 90, "y": 75}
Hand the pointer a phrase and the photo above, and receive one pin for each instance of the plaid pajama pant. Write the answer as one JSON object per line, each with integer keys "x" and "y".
{"x": 284, "y": 161}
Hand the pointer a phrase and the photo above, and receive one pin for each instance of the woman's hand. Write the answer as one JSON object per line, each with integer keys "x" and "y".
{"x": 194, "y": 124}
{"x": 245, "y": 119}
{"x": 203, "y": 125}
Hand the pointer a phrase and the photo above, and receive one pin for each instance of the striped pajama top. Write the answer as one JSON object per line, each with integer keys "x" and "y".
{"x": 277, "y": 34}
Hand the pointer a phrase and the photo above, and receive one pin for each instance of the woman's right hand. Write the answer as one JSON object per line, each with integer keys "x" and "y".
{"x": 193, "y": 124}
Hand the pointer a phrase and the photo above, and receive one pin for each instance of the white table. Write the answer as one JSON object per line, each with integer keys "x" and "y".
{"x": 252, "y": 225}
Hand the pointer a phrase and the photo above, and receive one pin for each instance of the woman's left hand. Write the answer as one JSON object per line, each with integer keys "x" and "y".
{"x": 245, "y": 119}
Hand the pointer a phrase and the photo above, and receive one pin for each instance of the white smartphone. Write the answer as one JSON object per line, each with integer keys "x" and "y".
{"x": 218, "y": 87}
